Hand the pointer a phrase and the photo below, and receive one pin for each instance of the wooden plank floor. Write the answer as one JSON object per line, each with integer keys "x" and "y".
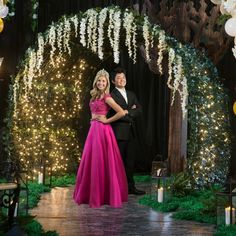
{"x": 57, "y": 211}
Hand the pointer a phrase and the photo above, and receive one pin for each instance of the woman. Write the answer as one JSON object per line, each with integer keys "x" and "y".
{"x": 101, "y": 176}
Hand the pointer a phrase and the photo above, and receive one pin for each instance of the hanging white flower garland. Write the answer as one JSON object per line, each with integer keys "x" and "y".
{"x": 148, "y": 39}
{"x": 39, "y": 53}
{"x": 130, "y": 39}
{"x": 52, "y": 41}
{"x": 101, "y": 20}
{"x": 82, "y": 31}
{"x": 31, "y": 69}
{"x": 66, "y": 35}
{"x": 162, "y": 46}
{"x": 59, "y": 37}
{"x": 92, "y": 31}
{"x": 75, "y": 21}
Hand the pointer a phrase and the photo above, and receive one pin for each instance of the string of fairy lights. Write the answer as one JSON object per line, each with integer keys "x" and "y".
{"x": 209, "y": 136}
{"x": 43, "y": 130}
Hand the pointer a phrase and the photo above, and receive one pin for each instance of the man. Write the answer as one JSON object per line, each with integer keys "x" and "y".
{"x": 124, "y": 127}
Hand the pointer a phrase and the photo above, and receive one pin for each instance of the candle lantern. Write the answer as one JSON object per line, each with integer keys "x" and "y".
{"x": 226, "y": 204}
{"x": 45, "y": 174}
{"x": 160, "y": 181}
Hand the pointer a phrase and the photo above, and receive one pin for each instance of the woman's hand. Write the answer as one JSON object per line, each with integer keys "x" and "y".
{"x": 95, "y": 117}
{"x": 102, "y": 119}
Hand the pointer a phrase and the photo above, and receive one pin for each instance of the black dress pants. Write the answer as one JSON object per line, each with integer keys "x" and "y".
{"x": 128, "y": 159}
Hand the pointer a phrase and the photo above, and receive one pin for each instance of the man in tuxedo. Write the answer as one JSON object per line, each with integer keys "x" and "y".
{"x": 124, "y": 127}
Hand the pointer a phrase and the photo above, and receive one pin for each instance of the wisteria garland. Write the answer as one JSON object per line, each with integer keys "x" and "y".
{"x": 75, "y": 20}
{"x": 117, "y": 25}
{"x": 177, "y": 69}
{"x": 114, "y": 32}
{"x": 39, "y": 53}
{"x": 111, "y": 27}
{"x": 147, "y": 38}
{"x": 59, "y": 37}
{"x": 130, "y": 39}
{"x": 92, "y": 23}
{"x": 184, "y": 96}
{"x": 52, "y": 42}
{"x": 101, "y": 20}
{"x": 92, "y": 30}
{"x": 31, "y": 70}
{"x": 161, "y": 48}
{"x": 171, "y": 57}
{"x": 82, "y": 31}
{"x": 66, "y": 35}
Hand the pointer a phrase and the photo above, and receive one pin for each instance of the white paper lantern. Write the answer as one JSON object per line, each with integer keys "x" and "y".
{"x": 233, "y": 13}
{"x": 3, "y": 11}
{"x": 223, "y": 10}
{"x": 230, "y": 27}
{"x": 216, "y": 1}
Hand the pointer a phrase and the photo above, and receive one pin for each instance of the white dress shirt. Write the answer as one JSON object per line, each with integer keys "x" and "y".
{"x": 123, "y": 93}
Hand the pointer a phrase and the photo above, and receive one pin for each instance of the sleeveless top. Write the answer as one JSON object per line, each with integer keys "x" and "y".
{"x": 99, "y": 106}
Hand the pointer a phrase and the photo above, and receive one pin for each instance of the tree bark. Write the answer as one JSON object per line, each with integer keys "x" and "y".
{"x": 177, "y": 145}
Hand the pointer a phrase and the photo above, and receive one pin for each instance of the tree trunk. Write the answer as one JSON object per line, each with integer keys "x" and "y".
{"x": 177, "y": 145}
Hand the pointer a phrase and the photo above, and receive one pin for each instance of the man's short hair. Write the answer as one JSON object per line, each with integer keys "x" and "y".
{"x": 116, "y": 71}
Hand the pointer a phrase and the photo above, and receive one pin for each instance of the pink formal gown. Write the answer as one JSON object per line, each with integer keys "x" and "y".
{"x": 101, "y": 177}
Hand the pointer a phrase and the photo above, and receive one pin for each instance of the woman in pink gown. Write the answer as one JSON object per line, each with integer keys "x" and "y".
{"x": 101, "y": 177}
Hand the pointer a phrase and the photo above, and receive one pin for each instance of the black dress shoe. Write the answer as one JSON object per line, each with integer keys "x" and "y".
{"x": 136, "y": 191}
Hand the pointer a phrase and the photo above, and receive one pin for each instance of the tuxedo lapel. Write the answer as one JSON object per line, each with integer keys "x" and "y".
{"x": 120, "y": 98}
{"x": 128, "y": 97}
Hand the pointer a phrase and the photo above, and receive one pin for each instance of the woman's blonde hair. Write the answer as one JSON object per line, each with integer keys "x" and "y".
{"x": 95, "y": 92}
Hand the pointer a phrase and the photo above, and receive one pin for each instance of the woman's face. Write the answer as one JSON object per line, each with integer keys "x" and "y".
{"x": 101, "y": 83}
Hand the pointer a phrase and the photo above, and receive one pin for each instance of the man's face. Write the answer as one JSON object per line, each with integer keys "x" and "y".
{"x": 120, "y": 80}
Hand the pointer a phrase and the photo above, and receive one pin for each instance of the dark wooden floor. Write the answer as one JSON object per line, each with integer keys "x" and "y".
{"x": 57, "y": 211}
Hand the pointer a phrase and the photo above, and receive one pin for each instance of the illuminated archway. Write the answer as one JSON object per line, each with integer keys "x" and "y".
{"x": 42, "y": 125}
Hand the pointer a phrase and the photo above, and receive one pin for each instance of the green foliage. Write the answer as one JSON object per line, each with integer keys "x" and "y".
{"x": 226, "y": 231}
{"x": 3, "y": 223}
{"x": 142, "y": 178}
{"x": 181, "y": 184}
{"x": 167, "y": 207}
{"x": 63, "y": 181}
{"x": 222, "y": 19}
{"x": 3, "y": 180}
{"x": 35, "y": 190}
{"x": 27, "y": 223}
{"x": 37, "y": 135}
{"x": 209, "y": 200}
{"x": 195, "y": 206}
{"x": 35, "y": 229}
{"x": 195, "y": 216}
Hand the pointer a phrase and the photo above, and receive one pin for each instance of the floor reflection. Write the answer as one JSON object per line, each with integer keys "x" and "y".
{"x": 57, "y": 211}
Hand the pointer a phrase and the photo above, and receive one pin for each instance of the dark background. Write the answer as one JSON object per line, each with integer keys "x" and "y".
{"x": 149, "y": 88}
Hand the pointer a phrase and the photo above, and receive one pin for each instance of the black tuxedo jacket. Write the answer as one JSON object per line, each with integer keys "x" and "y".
{"x": 124, "y": 127}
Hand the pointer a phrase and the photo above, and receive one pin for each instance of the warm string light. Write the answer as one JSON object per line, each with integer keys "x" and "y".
{"x": 57, "y": 85}
{"x": 47, "y": 112}
{"x": 211, "y": 131}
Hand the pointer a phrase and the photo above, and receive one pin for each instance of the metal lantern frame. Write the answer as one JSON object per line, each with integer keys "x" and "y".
{"x": 225, "y": 203}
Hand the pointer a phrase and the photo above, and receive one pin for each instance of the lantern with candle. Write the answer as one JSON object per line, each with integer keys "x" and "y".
{"x": 45, "y": 173}
{"x": 159, "y": 180}
{"x": 226, "y": 204}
